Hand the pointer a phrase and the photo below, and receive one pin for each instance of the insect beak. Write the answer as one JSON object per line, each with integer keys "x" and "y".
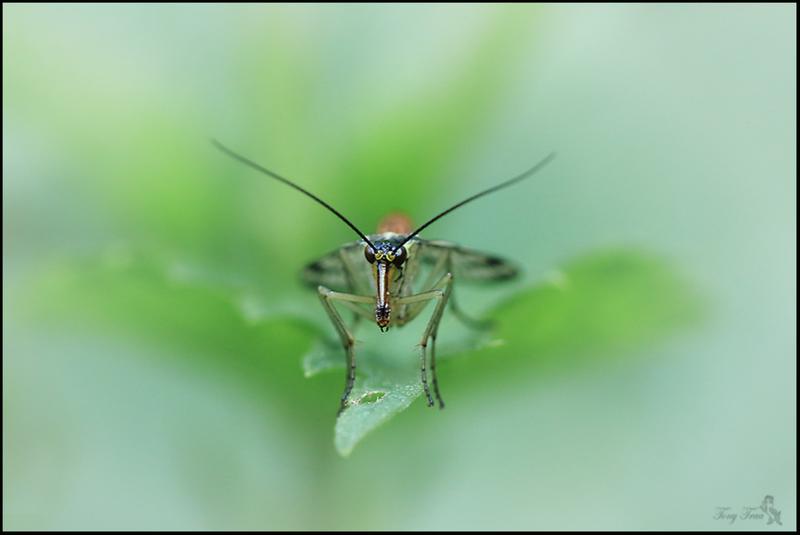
{"x": 383, "y": 310}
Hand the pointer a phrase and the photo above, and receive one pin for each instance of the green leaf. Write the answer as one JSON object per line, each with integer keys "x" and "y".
{"x": 602, "y": 306}
{"x": 599, "y": 308}
{"x": 387, "y": 382}
{"x": 377, "y": 397}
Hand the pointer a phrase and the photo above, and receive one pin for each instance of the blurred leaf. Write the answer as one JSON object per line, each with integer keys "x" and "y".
{"x": 129, "y": 295}
{"x": 610, "y": 300}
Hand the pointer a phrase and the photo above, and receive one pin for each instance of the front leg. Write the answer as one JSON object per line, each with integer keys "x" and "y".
{"x": 441, "y": 291}
{"x": 350, "y": 300}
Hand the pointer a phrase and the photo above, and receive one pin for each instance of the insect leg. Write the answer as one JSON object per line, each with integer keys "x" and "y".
{"x": 327, "y": 297}
{"x": 446, "y": 262}
{"x": 445, "y": 265}
{"x": 441, "y": 291}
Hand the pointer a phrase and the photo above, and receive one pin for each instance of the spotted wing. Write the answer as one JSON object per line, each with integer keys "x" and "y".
{"x": 338, "y": 269}
{"x": 465, "y": 263}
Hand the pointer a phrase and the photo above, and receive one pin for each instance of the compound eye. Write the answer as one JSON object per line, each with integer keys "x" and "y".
{"x": 369, "y": 255}
{"x": 400, "y": 257}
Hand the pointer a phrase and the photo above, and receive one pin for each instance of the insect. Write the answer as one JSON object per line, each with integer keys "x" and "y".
{"x": 374, "y": 277}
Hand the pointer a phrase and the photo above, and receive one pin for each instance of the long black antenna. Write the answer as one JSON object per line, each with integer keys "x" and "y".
{"x": 505, "y": 184}
{"x": 257, "y": 167}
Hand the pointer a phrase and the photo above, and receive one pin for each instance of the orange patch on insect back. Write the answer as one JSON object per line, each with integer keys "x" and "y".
{"x": 397, "y": 223}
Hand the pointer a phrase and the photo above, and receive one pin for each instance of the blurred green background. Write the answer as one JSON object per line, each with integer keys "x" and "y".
{"x": 154, "y": 328}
